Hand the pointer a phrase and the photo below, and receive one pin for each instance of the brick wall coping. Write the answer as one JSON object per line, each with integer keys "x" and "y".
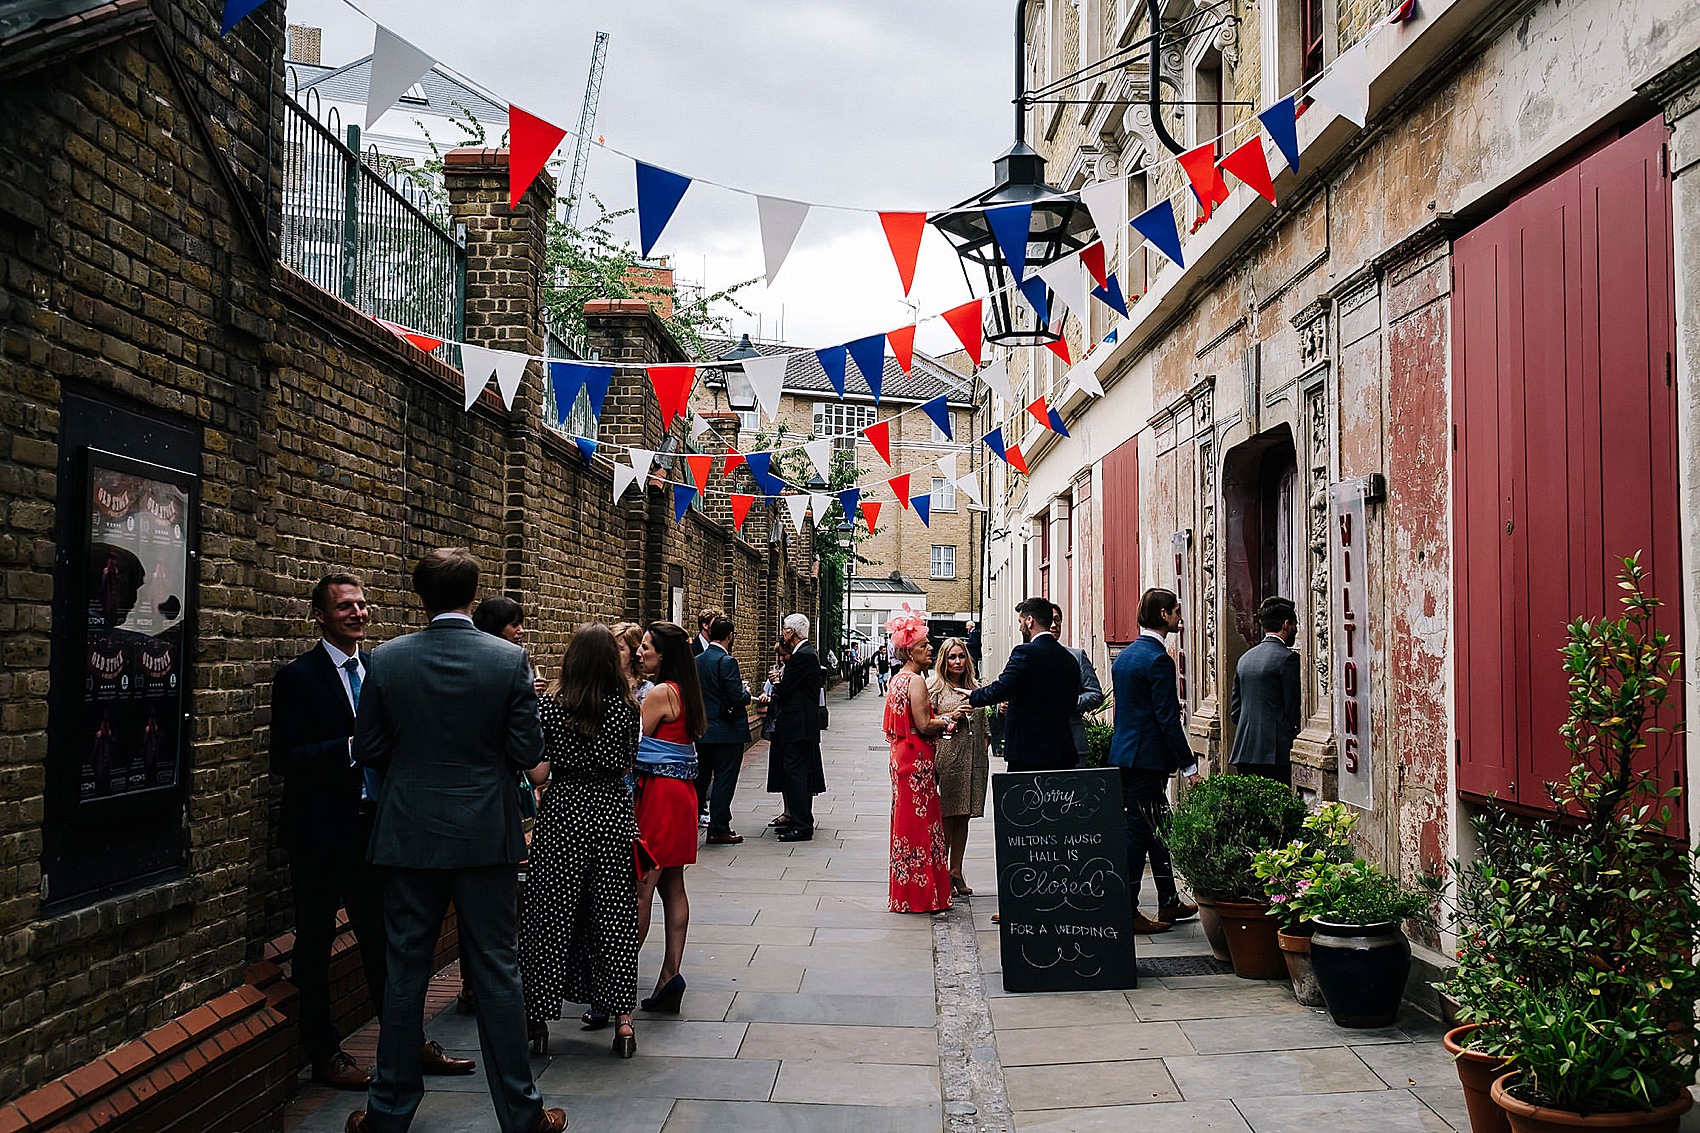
{"x": 471, "y": 158}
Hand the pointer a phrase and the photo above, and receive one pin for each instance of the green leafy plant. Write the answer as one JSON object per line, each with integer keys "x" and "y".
{"x": 1100, "y": 733}
{"x": 1361, "y": 893}
{"x": 1291, "y": 874}
{"x": 1222, "y": 823}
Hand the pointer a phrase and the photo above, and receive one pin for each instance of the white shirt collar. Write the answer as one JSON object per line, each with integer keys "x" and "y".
{"x": 1043, "y": 633}
{"x": 455, "y": 614}
{"x": 338, "y": 657}
{"x": 1160, "y": 638}
{"x": 716, "y": 645}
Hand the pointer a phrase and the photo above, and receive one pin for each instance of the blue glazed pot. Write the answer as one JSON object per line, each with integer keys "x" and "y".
{"x": 1362, "y": 971}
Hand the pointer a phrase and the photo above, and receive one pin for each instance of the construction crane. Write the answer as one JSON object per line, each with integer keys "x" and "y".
{"x": 586, "y": 123}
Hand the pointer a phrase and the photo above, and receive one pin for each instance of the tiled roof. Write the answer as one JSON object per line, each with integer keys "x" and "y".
{"x": 898, "y": 585}
{"x": 927, "y": 379}
{"x": 443, "y": 91}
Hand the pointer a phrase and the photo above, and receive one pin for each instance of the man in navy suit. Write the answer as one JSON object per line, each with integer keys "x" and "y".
{"x": 720, "y": 749}
{"x": 1149, "y": 746}
{"x": 1041, "y": 682}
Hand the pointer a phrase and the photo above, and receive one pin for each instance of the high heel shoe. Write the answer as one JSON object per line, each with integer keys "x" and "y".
{"x": 538, "y": 1035}
{"x": 667, "y": 996}
{"x": 960, "y": 887}
{"x": 594, "y": 1019}
{"x": 625, "y": 1040}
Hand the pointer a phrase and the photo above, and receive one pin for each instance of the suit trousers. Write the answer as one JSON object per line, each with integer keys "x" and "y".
{"x": 794, "y": 767}
{"x": 1145, "y": 797}
{"x": 322, "y": 880}
{"x": 717, "y": 780}
{"x": 486, "y": 902}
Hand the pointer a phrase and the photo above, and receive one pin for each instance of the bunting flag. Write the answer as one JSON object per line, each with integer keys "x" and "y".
{"x": 586, "y": 447}
{"x": 1107, "y": 202}
{"x": 1157, "y": 224}
{"x": 819, "y": 453}
{"x": 847, "y": 501}
{"x": 1033, "y": 290}
{"x": 869, "y": 354}
{"x": 531, "y": 143}
{"x": 672, "y": 390}
{"x": 831, "y": 360}
{"x": 818, "y": 505}
{"x": 1055, "y": 424}
{"x": 596, "y": 388}
{"x": 733, "y": 459}
{"x": 477, "y": 363}
{"x": 923, "y": 505}
{"x": 903, "y": 234}
{"x": 970, "y": 487}
{"x": 1093, "y": 257}
{"x": 1016, "y": 460}
{"x": 1068, "y": 283}
{"x": 768, "y": 484}
{"x": 900, "y": 488}
{"x": 1111, "y": 295}
{"x": 1282, "y": 123}
{"x": 780, "y": 220}
{"x": 682, "y": 494}
{"x": 235, "y": 11}
{"x": 1059, "y": 345}
{"x": 1082, "y": 378}
{"x": 1344, "y": 87}
{"x": 510, "y": 371}
{"x": 798, "y": 506}
{"x": 967, "y": 323}
{"x": 903, "y": 346}
{"x": 939, "y": 410}
{"x": 947, "y": 466}
{"x": 425, "y": 342}
{"x": 740, "y": 508}
{"x": 701, "y": 465}
{"x": 396, "y": 65}
{"x": 1402, "y": 11}
{"x": 871, "y": 513}
{"x": 1207, "y": 184}
{"x": 1038, "y": 410}
{"x": 1010, "y": 225}
{"x": 767, "y": 378}
{"x": 642, "y": 461}
{"x": 1248, "y": 164}
{"x": 624, "y": 477}
{"x": 996, "y": 377}
{"x": 879, "y": 435}
{"x": 994, "y": 441}
{"x": 658, "y": 194}
{"x": 698, "y": 426}
{"x": 567, "y": 380}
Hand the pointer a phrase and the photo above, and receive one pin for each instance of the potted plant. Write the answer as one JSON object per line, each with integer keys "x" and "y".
{"x": 1358, "y": 947}
{"x": 1289, "y": 873}
{"x": 1214, "y": 834}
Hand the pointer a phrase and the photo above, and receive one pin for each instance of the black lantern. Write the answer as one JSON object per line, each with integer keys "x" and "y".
{"x": 740, "y": 391}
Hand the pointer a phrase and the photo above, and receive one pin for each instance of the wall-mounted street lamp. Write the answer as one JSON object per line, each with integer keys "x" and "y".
{"x": 740, "y": 391}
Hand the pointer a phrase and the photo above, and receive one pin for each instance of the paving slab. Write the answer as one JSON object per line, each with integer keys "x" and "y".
{"x": 1083, "y": 1084}
{"x": 897, "y": 1046}
{"x": 658, "y": 1076}
{"x": 908, "y": 983}
{"x": 1390, "y": 1111}
{"x": 777, "y": 1117}
{"x": 1114, "y": 1042}
{"x": 850, "y": 1083}
{"x": 1157, "y": 1117}
{"x": 851, "y": 1010}
{"x": 1255, "y": 1077}
{"x": 1279, "y": 1032}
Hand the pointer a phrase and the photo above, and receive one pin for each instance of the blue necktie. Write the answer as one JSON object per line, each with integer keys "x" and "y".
{"x": 371, "y": 779}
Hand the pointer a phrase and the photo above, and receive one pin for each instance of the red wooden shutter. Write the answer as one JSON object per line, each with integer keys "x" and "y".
{"x": 1121, "y": 543}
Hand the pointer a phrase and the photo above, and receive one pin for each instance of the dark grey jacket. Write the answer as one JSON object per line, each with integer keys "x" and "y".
{"x": 1266, "y": 705}
{"x": 449, "y": 715}
{"x": 1091, "y": 698}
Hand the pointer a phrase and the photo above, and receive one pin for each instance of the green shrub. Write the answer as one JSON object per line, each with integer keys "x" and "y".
{"x": 1222, "y": 823}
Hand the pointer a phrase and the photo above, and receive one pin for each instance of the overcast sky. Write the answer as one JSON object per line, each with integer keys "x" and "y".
{"x": 885, "y": 104}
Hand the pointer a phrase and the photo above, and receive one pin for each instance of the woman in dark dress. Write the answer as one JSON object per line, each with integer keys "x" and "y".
{"x": 578, "y": 938}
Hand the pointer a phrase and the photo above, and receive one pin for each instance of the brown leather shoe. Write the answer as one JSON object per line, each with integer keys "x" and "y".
{"x": 339, "y": 1071}
{"x": 728, "y": 839}
{"x": 432, "y": 1060}
{"x": 357, "y": 1123}
{"x": 1177, "y": 912}
{"x": 550, "y": 1121}
{"x": 1144, "y": 924}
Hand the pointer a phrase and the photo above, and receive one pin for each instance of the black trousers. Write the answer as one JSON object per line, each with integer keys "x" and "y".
{"x": 487, "y": 907}
{"x": 321, "y": 881}
{"x": 1145, "y": 797}
{"x": 796, "y": 771}
{"x": 717, "y": 781}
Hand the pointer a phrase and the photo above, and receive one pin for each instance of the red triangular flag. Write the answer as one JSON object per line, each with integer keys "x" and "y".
{"x": 871, "y": 512}
{"x": 1040, "y": 412}
{"x": 1060, "y": 349}
{"x": 531, "y": 142}
{"x": 900, "y": 488}
{"x": 903, "y": 232}
{"x": 1016, "y": 460}
{"x": 672, "y": 390}
{"x": 879, "y": 435}
{"x": 701, "y": 466}
{"x": 1249, "y": 165}
{"x": 424, "y": 341}
{"x": 966, "y": 321}
{"x": 903, "y": 346}
{"x": 733, "y": 459}
{"x": 1093, "y": 257}
{"x": 740, "y": 508}
{"x": 1207, "y": 184}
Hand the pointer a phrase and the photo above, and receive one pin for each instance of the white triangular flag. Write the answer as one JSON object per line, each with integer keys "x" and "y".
{"x": 947, "y": 466}
{"x": 510, "y": 369}
{"x": 969, "y": 485}
{"x": 698, "y": 426}
{"x": 997, "y": 377}
{"x": 820, "y": 455}
{"x": 1067, "y": 279}
{"x": 624, "y": 477}
{"x": 767, "y": 377}
{"x": 1345, "y": 88}
{"x": 780, "y": 221}
{"x": 476, "y": 363}
{"x": 1107, "y": 202}
{"x": 1083, "y": 377}
{"x": 396, "y": 65}
{"x": 818, "y": 504}
{"x": 797, "y": 505}
{"x": 642, "y": 461}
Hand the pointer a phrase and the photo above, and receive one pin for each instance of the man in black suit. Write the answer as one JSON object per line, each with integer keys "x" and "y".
{"x": 328, "y": 804}
{"x": 1266, "y": 708}
{"x": 449, "y": 715}
{"x": 796, "y": 707}
{"x": 1041, "y": 682}
{"x": 720, "y": 750}
{"x": 705, "y": 618}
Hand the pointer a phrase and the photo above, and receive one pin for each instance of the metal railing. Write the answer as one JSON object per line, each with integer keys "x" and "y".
{"x": 368, "y": 235}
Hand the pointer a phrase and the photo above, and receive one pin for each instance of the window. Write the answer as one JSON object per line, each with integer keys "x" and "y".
{"x": 844, "y": 421}
{"x": 1210, "y": 116}
{"x": 749, "y": 422}
{"x": 1311, "y": 27}
{"x": 1045, "y": 556}
{"x": 1122, "y": 581}
{"x": 943, "y": 494}
{"x": 938, "y": 434}
{"x": 943, "y": 561}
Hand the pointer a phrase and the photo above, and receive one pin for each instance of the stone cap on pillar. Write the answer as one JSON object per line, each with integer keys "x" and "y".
{"x": 477, "y": 157}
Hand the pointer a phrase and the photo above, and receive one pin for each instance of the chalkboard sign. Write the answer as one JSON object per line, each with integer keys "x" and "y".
{"x": 1066, "y": 920}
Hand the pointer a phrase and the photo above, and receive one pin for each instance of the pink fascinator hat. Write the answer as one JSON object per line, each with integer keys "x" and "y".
{"x": 907, "y": 628}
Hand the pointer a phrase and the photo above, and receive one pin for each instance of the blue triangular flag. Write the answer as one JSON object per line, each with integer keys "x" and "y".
{"x": 1281, "y": 121}
{"x": 658, "y": 193}
{"x": 596, "y": 388}
{"x": 1111, "y": 296}
{"x": 869, "y": 354}
{"x": 682, "y": 494}
{"x": 849, "y": 499}
{"x": 994, "y": 441}
{"x": 768, "y": 484}
{"x": 566, "y": 379}
{"x": 832, "y": 361}
{"x": 1034, "y": 291}
{"x": 923, "y": 505}
{"x": 586, "y": 446}
{"x": 939, "y": 410}
{"x": 1011, "y": 224}
{"x": 1057, "y": 422}
{"x": 1157, "y": 224}
{"x": 1110, "y": 339}
{"x": 235, "y": 11}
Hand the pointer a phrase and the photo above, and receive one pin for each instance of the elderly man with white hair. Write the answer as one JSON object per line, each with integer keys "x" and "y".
{"x": 796, "y": 736}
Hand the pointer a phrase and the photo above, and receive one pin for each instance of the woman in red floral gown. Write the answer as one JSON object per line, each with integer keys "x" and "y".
{"x": 920, "y": 861}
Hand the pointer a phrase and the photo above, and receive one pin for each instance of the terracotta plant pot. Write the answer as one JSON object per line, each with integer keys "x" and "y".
{"x": 1295, "y": 950}
{"x": 1362, "y": 970}
{"x": 1449, "y": 1012}
{"x": 1212, "y": 926}
{"x": 1251, "y": 940}
{"x": 1529, "y": 1118}
{"x": 1476, "y": 1073}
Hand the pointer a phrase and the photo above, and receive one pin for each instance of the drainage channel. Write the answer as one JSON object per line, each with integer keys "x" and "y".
{"x": 969, "y": 1071}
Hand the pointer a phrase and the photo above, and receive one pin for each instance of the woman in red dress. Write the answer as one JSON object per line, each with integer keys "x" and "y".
{"x": 920, "y": 862}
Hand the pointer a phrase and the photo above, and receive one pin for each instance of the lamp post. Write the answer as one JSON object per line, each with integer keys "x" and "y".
{"x": 740, "y": 391}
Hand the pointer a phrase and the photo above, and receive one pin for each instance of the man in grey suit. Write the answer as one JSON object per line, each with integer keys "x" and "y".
{"x": 1091, "y": 696}
{"x": 1265, "y": 706}
{"x": 449, "y": 716}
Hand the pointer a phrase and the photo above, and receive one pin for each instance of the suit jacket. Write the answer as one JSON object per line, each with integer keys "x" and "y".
{"x": 311, "y": 726}
{"x": 1148, "y": 734}
{"x": 697, "y": 647}
{"x": 723, "y": 697}
{"x": 796, "y": 699}
{"x": 448, "y": 714}
{"x": 1090, "y": 698}
{"x": 1266, "y": 705}
{"x": 1041, "y": 682}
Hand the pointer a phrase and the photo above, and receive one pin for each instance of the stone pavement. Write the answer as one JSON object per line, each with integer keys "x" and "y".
{"x": 811, "y": 1007}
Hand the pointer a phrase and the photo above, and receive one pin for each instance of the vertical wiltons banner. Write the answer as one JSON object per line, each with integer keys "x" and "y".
{"x": 1350, "y": 610}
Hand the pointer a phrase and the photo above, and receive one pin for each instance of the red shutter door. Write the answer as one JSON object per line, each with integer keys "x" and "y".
{"x": 1121, "y": 543}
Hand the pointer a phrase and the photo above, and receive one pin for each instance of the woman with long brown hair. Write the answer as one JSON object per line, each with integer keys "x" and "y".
{"x": 673, "y": 720}
{"x": 578, "y": 938}
{"x": 960, "y": 755}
